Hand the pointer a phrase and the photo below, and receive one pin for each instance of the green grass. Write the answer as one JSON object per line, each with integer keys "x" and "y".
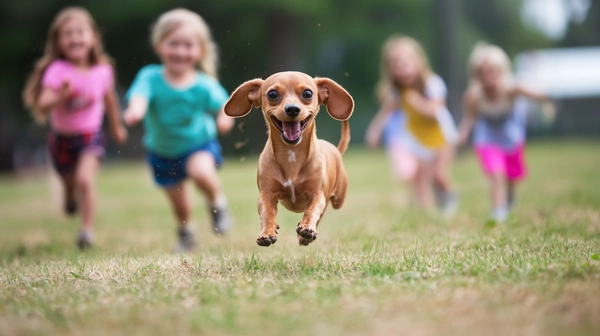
{"x": 379, "y": 266}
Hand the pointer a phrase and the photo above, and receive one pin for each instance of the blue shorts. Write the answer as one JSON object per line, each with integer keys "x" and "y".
{"x": 170, "y": 171}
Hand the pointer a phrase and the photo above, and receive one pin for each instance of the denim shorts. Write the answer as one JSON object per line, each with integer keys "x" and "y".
{"x": 168, "y": 172}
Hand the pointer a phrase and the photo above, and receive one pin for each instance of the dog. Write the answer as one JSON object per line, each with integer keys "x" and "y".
{"x": 295, "y": 168}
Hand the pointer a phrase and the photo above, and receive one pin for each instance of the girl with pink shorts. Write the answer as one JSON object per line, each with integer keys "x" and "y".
{"x": 498, "y": 121}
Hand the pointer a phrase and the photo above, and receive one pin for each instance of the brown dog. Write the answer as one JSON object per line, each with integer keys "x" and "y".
{"x": 295, "y": 168}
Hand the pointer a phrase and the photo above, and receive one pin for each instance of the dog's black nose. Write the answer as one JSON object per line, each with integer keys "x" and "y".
{"x": 292, "y": 110}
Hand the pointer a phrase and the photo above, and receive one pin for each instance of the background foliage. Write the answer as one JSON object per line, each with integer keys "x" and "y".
{"x": 334, "y": 38}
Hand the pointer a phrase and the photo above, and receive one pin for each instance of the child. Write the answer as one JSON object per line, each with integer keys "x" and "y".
{"x": 420, "y": 137}
{"x": 497, "y": 122}
{"x": 72, "y": 84}
{"x": 178, "y": 102}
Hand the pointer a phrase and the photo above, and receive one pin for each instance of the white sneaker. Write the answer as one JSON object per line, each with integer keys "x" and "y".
{"x": 221, "y": 220}
{"x": 446, "y": 201}
{"x": 85, "y": 239}
{"x": 500, "y": 214}
{"x": 187, "y": 239}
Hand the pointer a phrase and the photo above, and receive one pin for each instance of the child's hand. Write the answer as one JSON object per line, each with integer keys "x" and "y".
{"x": 119, "y": 134}
{"x": 548, "y": 112}
{"x": 412, "y": 97}
{"x": 224, "y": 123}
{"x": 132, "y": 116}
{"x": 65, "y": 92}
{"x": 463, "y": 138}
{"x": 372, "y": 139}
{"x": 136, "y": 110}
{"x": 50, "y": 98}
{"x": 422, "y": 105}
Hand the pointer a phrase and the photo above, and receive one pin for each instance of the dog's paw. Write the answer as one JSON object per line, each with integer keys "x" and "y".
{"x": 303, "y": 241}
{"x": 306, "y": 235}
{"x": 266, "y": 240}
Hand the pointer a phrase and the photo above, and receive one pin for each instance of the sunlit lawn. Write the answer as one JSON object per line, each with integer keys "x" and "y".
{"x": 379, "y": 267}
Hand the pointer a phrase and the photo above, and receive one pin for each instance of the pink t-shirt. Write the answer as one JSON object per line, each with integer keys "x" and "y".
{"x": 84, "y": 110}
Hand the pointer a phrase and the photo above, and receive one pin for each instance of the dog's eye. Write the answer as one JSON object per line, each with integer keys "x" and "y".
{"x": 307, "y": 94}
{"x": 273, "y": 95}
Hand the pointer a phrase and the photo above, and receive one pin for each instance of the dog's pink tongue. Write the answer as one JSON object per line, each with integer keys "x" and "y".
{"x": 291, "y": 130}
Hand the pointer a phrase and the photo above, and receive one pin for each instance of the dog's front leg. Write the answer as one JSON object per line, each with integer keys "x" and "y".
{"x": 267, "y": 209}
{"x": 307, "y": 228}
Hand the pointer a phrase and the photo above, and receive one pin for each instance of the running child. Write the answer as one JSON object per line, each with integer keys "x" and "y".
{"x": 413, "y": 117}
{"x": 180, "y": 102}
{"x": 498, "y": 123}
{"x": 73, "y": 84}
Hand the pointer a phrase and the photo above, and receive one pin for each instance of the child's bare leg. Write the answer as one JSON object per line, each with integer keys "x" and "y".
{"x": 511, "y": 186}
{"x": 85, "y": 178}
{"x": 200, "y": 167}
{"x": 83, "y": 183}
{"x": 68, "y": 182}
{"x": 422, "y": 182}
{"x": 416, "y": 185}
{"x": 180, "y": 203}
{"x": 497, "y": 189}
{"x": 498, "y": 194}
{"x": 441, "y": 175}
{"x": 446, "y": 198}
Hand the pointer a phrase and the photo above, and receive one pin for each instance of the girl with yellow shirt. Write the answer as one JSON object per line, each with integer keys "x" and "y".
{"x": 421, "y": 143}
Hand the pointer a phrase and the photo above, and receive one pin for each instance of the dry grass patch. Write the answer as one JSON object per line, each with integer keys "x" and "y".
{"x": 378, "y": 266}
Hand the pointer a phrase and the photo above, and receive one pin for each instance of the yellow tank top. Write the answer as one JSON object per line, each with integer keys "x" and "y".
{"x": 425, "y": 130}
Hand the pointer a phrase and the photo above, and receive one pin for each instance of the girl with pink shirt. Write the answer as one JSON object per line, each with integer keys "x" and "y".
{"x": 72, "y": 84}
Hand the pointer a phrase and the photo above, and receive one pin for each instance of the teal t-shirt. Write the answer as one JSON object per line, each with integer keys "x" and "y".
{"x": 177, "y": 120}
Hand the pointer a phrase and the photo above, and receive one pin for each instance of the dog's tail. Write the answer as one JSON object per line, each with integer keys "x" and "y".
{"x": 345, "y": 138}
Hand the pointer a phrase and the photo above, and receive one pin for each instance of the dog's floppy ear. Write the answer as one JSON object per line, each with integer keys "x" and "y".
{"x": 338, "y": 101}
{"x": 243, "y": 98}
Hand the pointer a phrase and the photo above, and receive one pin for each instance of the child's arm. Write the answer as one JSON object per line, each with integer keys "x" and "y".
{"x": 49, "y": 98}
{"x": 520, "y": 89}
{"x": 117, "y": 130}
{"x": 136, "y": 110}
{"x": 377, "y": 124}
{"x": 426, "y": 107}
{"x": 545, "y": 101}
{"x": 224, "y": 122}
{"x": 469, "y": 118}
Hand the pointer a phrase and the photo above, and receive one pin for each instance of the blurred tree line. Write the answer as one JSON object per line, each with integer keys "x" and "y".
{"x": 340, "y": 39}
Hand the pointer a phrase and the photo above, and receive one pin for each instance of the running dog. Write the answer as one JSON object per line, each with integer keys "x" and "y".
{"x": 295, "y": 168}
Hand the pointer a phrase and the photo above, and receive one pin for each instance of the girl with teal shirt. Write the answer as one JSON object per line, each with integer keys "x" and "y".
{"x": 180, "y": 102}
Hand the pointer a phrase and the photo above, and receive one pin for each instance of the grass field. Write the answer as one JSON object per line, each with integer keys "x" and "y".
{"x": 378, "y": 267}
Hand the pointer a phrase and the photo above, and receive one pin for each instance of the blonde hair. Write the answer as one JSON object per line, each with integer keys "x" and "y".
{"x": 170, "y": 21}
{"x": 52, "y": 52}
{"x": 387, "y": 83}
{"x": 493, "y": 54}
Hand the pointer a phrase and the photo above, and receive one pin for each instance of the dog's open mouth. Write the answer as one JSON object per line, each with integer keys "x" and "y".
{"x": 291, "y": 131}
